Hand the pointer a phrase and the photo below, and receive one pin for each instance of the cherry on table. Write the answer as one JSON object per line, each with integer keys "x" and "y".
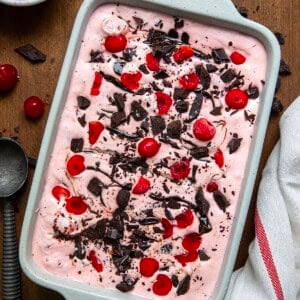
{"x": 33, "y": 107}
{"x": 8, "y": 77}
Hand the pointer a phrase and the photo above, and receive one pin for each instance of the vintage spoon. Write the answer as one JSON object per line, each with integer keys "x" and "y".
{"x": 13, "y": 174}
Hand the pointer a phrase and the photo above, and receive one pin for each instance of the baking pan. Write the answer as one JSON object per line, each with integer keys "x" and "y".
{"x": 221, "y": 13}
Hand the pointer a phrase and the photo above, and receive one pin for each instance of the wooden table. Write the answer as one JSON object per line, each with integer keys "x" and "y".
{"x": 48, "y": 27}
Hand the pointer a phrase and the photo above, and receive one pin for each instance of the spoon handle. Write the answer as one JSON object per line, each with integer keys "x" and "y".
{"x": 11, "y": 281}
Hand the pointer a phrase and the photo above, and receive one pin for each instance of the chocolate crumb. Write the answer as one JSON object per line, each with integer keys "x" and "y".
{"x": 277, "y": 106}
{"x": 284, "y": 69}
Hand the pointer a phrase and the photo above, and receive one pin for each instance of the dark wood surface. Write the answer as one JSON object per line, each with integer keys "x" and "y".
{"x": 48, "y": 27}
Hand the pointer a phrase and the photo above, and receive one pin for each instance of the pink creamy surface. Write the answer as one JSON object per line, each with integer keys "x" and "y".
{"x": 51, "y": 254}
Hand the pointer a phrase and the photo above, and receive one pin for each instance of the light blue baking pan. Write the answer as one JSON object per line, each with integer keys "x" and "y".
{"x": 220, "y": 13}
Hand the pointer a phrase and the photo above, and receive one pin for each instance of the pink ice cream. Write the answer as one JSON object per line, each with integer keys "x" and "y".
{"x": 100, "y": 237}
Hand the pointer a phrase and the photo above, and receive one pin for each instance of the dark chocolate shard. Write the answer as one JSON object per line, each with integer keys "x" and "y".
{"x": 144, "y": 244}
{"x": 199, "y": 152}
{"x": 120, "y": 101}
{"x": 173, "y": 204}
{"x": 155, "y": 87}
{"x": 31, "y": 53}
{"x": 128, "y": 54}
{"x": 80, "y": 251}
{"x": 216, "y": 111}
{"x": 158, "y": 124}
{"x": 180, "y": 93}
{"x": 228, "y": 76}
{"x": 117, "y": 119}
{"x": 122, "y": 263}
{"x": 279, "y": 37}
{"x": 124, "y": 134}
{"x": 155, "y": 36}
{"x": 249, "y": 117}
{"x": 167, "y": 248}
{"x": 277, "y": 106}
{"x": 163, "y": 49}
{"x": 198, "y": 53}
{"x": 234, "y": 144}
{"x": 96, "y": 57}
{"x": 123, "y": 197}
{"x": 284, "y": 68}
{"x": 82, "y": 120}
{"x": 95, "y": 186}
{"x": 168, "y": 214}
{"x": 116, "y": 82}
{"x": 252, "y": 92}
{"x": 174, "y": 129}
{"x": 143, "y": 91}
{"x": 149, "y": 221}
{"x": 221, "y": 200}
{"x": 139, "y": 22}
{"x": 137, "y": 111}
{"x": 178, "y": 23}
{"x": 173, "y": 33}
{"x": 185, "y": 38}
{"x": 118, "y": 67}
{"x": 201, "y": 202}
{"x": 196, "y": 107}
{"x": 127, "y": 284}
{"x": 175, "y": 280}
{"x": 203, "y": 256}
{"x": 204, "y": 226}
{"x": 182, "y": 106}
{"x": 219, "y": 55}
{"x": 83, "y": 102}
{"x": 204, "y": 76}
{"x": 96, "y": 231}
{"x": 144, "y": 69}
{"x": 184, "y": 285}
{"x": 161, "y": 75}
{"x": 167, "y": 83}
{"x": 113, "y": 234}
{"x": 145, "y": 126}
{"x": 165, "y": 139}
{"x": 77, "y": 145}
{"x": 243, "y": 11}
{"x": 211, "y": 68}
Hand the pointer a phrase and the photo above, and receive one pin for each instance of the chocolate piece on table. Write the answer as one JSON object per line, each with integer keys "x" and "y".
{"x": 284, "y": 68}
{"x": 184, "y": 285}
{"x": 277, "y": 106}
{"x": 280, "y": 38}
{"x": 83, "y": 102}
{"x": 137, "y": 111}
{"x": 77, "y": 145}
{"x": 158, "y": 124}
{"x": 228, "y": 76}
{"x": 32, "y": 54}
{"x": 174, "y": 129}
{"x": 219, "y": 55}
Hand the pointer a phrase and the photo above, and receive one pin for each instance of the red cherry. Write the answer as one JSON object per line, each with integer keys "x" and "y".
{"x": 148, "y": 266}
{"x": 185, "y": 219}
{"x": 95, "y": 263}
{"x": 148, "y": 147}
{"x": 95, "y": 90}
{"x": 219, "y": 158}
{"x": 162, "y": 286}
{"x": 236, "y": 99}
{"x": 33, "y": 107}
{"x": 168, "y": 227}
{"x": 131, "y": 80}
{"x": 204, "y": 130}
{"x": 8, "y": 77}
{"x": 237, "y": 58}
{"x": 76, "y": 205}
{"x": 115, "y": 43}
{"x": 191, "y": 241}
{"x": 164, "y": 102}
{"x": 142, "y": 186}
{"x": 95, "y": 129}
{"x": 152, "y": 62}
{"x": 75, "y": 165}
{"x": 59, "y": 191}
{"x": 212, "y": 186}
{"x": 189, "y": 81}
{"x": 187, "y": 257}
{"x": 180, "y": 169}
{"x": 183, "y": 53}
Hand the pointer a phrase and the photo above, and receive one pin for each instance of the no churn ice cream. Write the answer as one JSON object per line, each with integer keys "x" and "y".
{"x": 150, "y": 154}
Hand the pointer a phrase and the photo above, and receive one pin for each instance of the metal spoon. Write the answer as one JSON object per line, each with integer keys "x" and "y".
{"x": 13, "y": 174}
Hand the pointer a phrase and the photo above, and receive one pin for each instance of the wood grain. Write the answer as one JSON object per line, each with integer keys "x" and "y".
{"x": 48, "y": 27}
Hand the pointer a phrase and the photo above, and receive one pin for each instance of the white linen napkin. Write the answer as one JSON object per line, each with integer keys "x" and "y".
{"x": 272, "y": 270}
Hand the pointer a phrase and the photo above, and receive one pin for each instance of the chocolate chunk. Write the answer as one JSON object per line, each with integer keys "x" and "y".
{"x": 95, "y": 186}
{"x": 182, "y": 106}
{"x": 179, "y": 23}
{"x": 216, "y": 111}
{"x": 252, "y": 92}
{"x": 284, "y": 68}
{"x": 155, "y": 36}
{"x": 32, "y": 54}
{"x": 155, "y": 87}
{"x": 174, "y": 129}
{"x": 167, "y": 248}
{"x": 137, "y": 111}
{"x": 228, "y": 76}
{"x": 82, "y": 120}
{"x": 118, "y": 67}
{"x": 139, "y": 22}
{"x": 165, "y": 139}
{"x": 201, "y": 55}
{"x": 96, "y": 56}
{"x": 199, "y": 153}
{"x": 144, "y": 245}
{"x": 219, "y": 55}
{"x": 180, "y": 93}
{"x": 157, "y": 230}
{"x": 143, "y": 91}
{"x": 243, "y": 11}
{"x": 120, "y": 101}
{"x": 205, "y": 226}
{"x": 211, "y": 68}
{"x": 184, "y": 285}
{"x": 144, "y": 69}
{"x": 161, "y": 75}
{"x": 173, "y": 33}
{"x": 173, "y": 203}
{"x": 162, "y": 50}
{"x": 117, "y": 119}
{"x": 77, "y": 145}
{"x": 148, "y": 221}
{"x": 80, "y": 251}
{"x": 234, "y": 144}
{"x": 204, "y": 76}
{"x": 277, "y": 106}
{"x": 175, "y": 280}
{"x": 128, "y": 54}
{"x": 279, "y": 37}
{"x": 168, "y": 214}
{"x": 124, "y": 134}
{"x": 185, "y": 38}
{"x": 202, "y": 255}
{"x": 136, "y": 254}
{"x": 167, "y": 83}
{"x": 201, "y": 202}
{"x": 145, "y": 126}
{"x": 83, "y": 102}
{"x": 221, "y": 200}
{"x": 250, "y": 118}
{"x": 123, "y": 198}
{"x": 196, "y": 107}
{"x": 96, "y": 231}
{"x": 127, "y": 284}
{"x": 122, "y": 263}
{"x": 116, "y": 82}
{"x": 112, "y": 234}
{"x": 158, "y": 124}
